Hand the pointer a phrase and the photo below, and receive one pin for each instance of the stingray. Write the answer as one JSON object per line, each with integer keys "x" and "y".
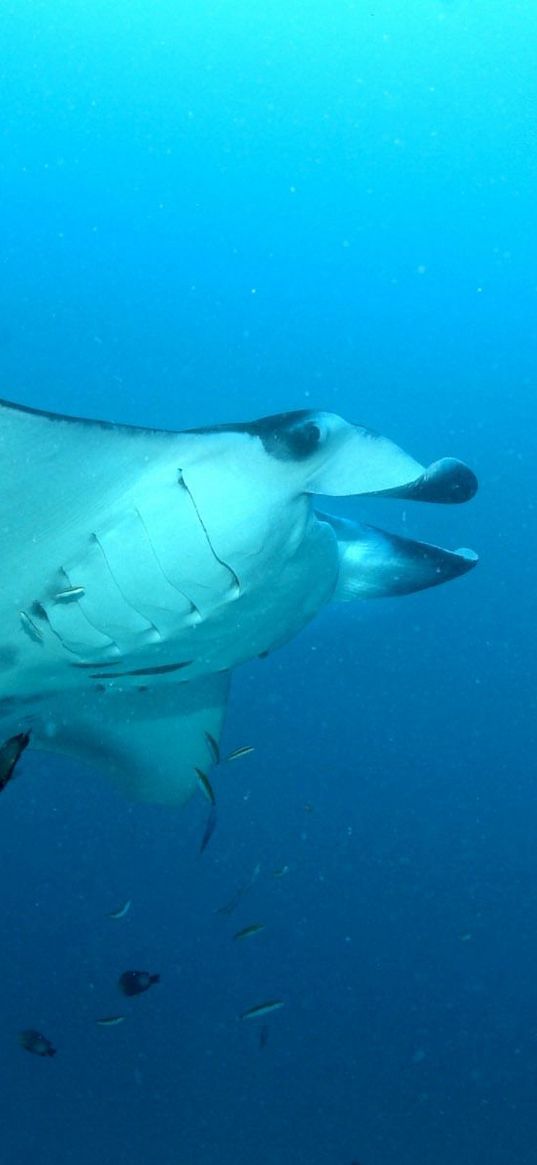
{"x": 139, "y": 567}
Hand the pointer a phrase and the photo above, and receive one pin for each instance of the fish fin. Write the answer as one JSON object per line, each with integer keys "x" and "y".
{"x": 149, "y": 742}
{"x": 376, "y": 564}
{"x": 360, "y": 461}
{"x": 209, "y": 828}
{"x": 447, "y": 481}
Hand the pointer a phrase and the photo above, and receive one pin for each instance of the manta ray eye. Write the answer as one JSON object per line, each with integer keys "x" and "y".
{"x": 304, "y": 439}
{"x": 290, "y": 436}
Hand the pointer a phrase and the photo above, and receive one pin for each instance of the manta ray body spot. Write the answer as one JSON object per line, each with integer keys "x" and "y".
{"x": 159, "y": 670}
{"x": 8, "y": 656}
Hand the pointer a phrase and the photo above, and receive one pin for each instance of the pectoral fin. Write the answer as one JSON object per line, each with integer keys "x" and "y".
{"x": 148, "y": 740}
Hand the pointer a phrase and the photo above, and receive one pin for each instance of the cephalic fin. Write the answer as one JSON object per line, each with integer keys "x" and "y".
{"x": 377, "y": 564}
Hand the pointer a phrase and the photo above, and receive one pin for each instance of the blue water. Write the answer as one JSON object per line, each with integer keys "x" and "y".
{"x": 211, "y": 212}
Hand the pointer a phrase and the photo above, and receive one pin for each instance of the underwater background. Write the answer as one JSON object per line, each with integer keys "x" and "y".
{"x": 210, "y": 212}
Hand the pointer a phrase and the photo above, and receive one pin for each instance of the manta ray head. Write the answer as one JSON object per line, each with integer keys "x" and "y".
{"x": 321, "y": 453}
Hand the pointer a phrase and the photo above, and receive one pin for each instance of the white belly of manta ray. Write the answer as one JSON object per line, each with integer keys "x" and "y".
{"x": 139, "y": 567}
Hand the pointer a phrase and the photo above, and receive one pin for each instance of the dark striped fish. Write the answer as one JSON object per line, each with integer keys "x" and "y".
{"x": 32, "y": 1041}
{"x": 260, "y": 1009}
{"x": 10, "y": 754}
{"x": 32, "y": 630}
{"x": 209, "y": 828}
{"x": 70, "y": 595}
{"x": 214, "y": 747}
{"x": 205, "y": 786}
{"x": 246, "y": 931}
{"x": 238, "y": 752}
{"x": 230, "y": 906}
{"x": 121, "y": 910}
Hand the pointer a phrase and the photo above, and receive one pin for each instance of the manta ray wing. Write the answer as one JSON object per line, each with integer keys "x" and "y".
{"x": 93, "y": 622}
{"x": 149, "y": 740}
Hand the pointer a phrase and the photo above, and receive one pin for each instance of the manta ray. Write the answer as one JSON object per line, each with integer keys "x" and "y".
{"x": 139, "y": 567}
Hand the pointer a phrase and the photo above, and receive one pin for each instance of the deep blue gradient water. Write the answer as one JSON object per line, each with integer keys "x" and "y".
{"x": 210, "y": 212}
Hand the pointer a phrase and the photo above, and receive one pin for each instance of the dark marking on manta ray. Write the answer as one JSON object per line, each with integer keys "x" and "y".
{"x": 8, "y": 656}
{"x": 98, "y": 663}
{"x": 161, "y": 670}
{"x": 291, "y": 436}
{"x": 285, "y": 436}
{"x": 8, "y": 702}
{"x": 276, "y": 431}
{"x": 294, "y": 437}
{"x": 110, "y": 426}
{"x": 39, "y": 611}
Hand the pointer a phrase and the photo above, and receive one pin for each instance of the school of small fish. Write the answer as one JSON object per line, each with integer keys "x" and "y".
{"x": 132, "y": 982}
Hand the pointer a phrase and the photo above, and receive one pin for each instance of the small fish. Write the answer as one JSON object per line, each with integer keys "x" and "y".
{"x": 246, "y": 931}
{"x": 10, "y": 753}
{"x": 135, "y": 982}
{"x": 209, "y": 828}
{"x": 205, "y": 786}
{"x": 70, "y": 595}
{"x": 245, "y": 750}
{"x": 214, "y": 747}
{"x": 280, "y": 872}
{"x": 34, "y": 1042}
{"x": 121, "y": 910}
{"x": 230, "y": 906}
{"x": 262, "y": 1008}
{"x": 110, "y": 1020}
{"x": 263, "y": 1036}
{"x": 30, "y": 627}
